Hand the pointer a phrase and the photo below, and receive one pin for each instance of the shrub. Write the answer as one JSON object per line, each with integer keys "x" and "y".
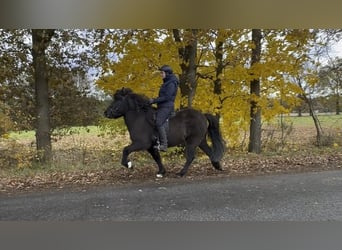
{"x": 15, "y": 155}
{"x": 330, "y": 138}
{"x": 112, "y": 127}
{"x": 6, "y": 123}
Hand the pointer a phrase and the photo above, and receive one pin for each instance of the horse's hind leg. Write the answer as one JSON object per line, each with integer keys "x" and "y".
{"x": 156, "y": 156}
{"x": 190, "y": 151}
{"x": 207, "y": 150}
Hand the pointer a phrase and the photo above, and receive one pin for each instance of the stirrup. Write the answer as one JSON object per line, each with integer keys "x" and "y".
{"x": 160, "y": 147}
{"x": 157, "y": 144}
{"x": 163, "y": 148}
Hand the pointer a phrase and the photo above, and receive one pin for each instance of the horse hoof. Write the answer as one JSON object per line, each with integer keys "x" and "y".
{"x": 160, "y": 176}
{"x": 180, "y": 174}
{"x": 129, "y": 164}
{"x": 217, "y": 166}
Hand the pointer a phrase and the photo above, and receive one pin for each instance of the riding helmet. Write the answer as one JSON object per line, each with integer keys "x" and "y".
{"x": 166, "y": 68}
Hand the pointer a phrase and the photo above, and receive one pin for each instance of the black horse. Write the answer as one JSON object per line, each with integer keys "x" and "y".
{"x": 188, "y": 128}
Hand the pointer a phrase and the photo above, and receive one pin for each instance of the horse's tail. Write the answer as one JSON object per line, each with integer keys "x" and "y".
{"x": 218, "y": 144}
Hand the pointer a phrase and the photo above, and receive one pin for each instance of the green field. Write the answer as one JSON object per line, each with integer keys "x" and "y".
{"x": 95, "y": 130}
{"x": 325, "y": 120}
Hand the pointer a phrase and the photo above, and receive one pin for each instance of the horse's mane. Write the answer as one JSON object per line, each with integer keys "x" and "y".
{"x": 139, "y": 101}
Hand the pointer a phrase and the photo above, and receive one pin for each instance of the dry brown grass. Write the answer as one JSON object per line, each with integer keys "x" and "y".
{"x": 87, "y": 159}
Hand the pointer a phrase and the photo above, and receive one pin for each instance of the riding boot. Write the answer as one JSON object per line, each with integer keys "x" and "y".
{"x": 162, "y": 139}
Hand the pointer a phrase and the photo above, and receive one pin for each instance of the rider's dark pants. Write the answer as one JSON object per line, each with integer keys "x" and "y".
{"x": 163, "y": 114}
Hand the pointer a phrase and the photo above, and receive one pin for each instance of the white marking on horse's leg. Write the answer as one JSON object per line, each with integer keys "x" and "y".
{"x": 129, "y": 164}
{"x": 160, "y": 176}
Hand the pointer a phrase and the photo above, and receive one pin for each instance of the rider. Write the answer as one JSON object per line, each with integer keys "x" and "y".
{"x": 165, "y": 103}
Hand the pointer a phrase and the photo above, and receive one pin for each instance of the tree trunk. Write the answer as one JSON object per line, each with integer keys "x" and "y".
{"x": 188, "y": 56}
{"x": 308, "y": 101}
{"x": 300, "y": 112}
{"x": 40, "y": 41}
{"x": 319, "y": 130}
{"x": 337, "y": 104}
{"x": 219, "y": 71}
{"x": 255, "y": 112}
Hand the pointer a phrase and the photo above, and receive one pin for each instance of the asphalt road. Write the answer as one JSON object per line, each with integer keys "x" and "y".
{"x": 286, "y": 197}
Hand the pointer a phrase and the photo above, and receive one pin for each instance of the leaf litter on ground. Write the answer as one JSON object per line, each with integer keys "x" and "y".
{"x": 145, "y": 171}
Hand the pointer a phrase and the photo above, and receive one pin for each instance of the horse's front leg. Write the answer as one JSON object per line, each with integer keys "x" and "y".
{"x": 156, "y": 156}
{"x": 125, "y": 153}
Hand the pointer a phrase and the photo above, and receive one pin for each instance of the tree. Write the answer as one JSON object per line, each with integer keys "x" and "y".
{"x": 131, "y": 58}
{"x": 222, "y": 53}
{"x": 39, "y": 79}
{"x": 223, "y": 80}
{"x": 306, "y": 77}
{"x": 187, "y": 51}
{"x": 16, "y": 90}
{"x": 6, "y": 123}
{"x": 330, "y": 81}
{"x": 255, "y": 111}
{"x": 71, "y": 100}
{"x": 40, "y": 41}
{"x": 306, "y": 97}
{"x": 216, "y": 70}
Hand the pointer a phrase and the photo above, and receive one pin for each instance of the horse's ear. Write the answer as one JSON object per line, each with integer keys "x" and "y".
{"x": 118, "y": 94}
{"x": 126, "y": 91}
{"x": 122, "y": 92}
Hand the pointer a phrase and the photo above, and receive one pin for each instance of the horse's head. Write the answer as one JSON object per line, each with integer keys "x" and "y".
{"x": 125, "y": 100}
{"x": 119, "y": 105}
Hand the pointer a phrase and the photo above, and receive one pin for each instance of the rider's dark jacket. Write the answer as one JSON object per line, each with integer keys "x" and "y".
{"x": 167, "y": 92}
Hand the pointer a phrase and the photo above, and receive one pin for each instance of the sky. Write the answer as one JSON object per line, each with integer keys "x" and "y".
{"x": 336, "y": 50}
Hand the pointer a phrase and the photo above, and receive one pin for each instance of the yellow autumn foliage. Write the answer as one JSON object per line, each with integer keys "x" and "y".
{"x": 15, "y": 155}
{"x": 138, "y": 53}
